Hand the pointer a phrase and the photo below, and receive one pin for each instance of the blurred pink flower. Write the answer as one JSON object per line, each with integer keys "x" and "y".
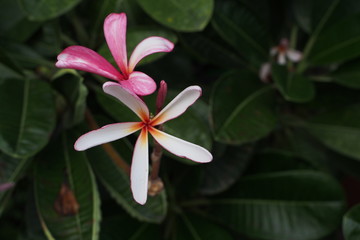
{"x": 85, "y": 59}
{"x": 283, "y": 51}
{"x": 6, "y": 186}
{"x": 140, "y": 160}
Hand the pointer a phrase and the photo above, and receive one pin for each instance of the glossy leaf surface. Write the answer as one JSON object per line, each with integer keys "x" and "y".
{"x": 66, "y": 194}
{"x": 26, "y": 123}
{"x": 242, "y": 110}
{"x": 275, "y": 205}
{"x": 184, "y": 15}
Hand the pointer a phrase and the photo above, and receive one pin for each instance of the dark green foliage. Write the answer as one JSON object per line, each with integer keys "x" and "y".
{"x": 285, "y": 143}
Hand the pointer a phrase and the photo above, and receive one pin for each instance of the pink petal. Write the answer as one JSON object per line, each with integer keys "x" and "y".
{"x": 115, "y": 34}
{"x": 294, "y": 55}
{"x": 178, "y": 105}
{"x": 128, "y": 98}
{"x": 149, "y": 46}
{"x": 85, "y": 59}
{"x": 139, "y": 83}
{"x": 180, "y": 147}
{"x": 140, "y": 168}
{"x": 6, "y": 186}
{"x": 106, "y": 134}
{"x": 265, "y": 71}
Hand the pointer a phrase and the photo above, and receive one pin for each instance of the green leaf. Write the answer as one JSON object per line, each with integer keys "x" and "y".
{"x": 134, "y": 36}
{"x": 70, "y": 84}
{"x": 309, "y": 14}
{"x": 28, "y": 116}
{"x": 117, "y": 182}
{"x": 62, "y": 166}
{"x": 39, "y": 10}
{"x": 242, "y": 30}
{"x": 351, "y": 223}
{"x": 275, "y": 160}
{"x": 339, "y": 43}
{"x": 242, "y": 110}
{"x": 308, "y": 148}
{"x": 25, "y": 56}
{"x": 130, "y": 229}
{"x": 184, "y": 15}
{"x": 347, "y": 75}
{"x": 208, "y": 50}
{"x": 9, "y": 63}
{"x": 12, "y": 170}
{"x": 298, "y": 205}
{"x": 338, "y": 129}
{"x": 227, "y": 166}
{"x": 294, "y": 87}
{"x": 10, "y": 15}
{"x": 193, "y": 227}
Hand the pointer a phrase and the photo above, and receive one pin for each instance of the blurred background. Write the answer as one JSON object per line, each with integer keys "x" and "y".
{"x": 280, "y": 112}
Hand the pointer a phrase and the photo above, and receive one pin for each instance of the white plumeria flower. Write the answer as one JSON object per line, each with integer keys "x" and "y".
{"x": 283, "y": 51}
{"x": 140, "y": 159}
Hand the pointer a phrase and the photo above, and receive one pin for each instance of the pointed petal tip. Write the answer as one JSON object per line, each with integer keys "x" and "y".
{"x": 180, "y": 147}
{"x": 148, "y": 46}
{"x": 115, "y": 35}
{"x": 140, "y": 201}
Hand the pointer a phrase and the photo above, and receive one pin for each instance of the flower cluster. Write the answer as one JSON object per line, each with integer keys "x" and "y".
{"x": 131, "y": 84}
{"x": 282, "y": 52}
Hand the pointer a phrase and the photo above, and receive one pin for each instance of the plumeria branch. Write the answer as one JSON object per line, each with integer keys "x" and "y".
{"x": 108, "y": 148}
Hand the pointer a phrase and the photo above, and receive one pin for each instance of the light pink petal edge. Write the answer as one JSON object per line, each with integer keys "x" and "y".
{"x": 178, "y": 105}
{"x": 128, "y": 98}
{"x": 140, "y": 168}
{"x": 149, "y": 46}
{"x": 6, "y": 186}
{"x": 85, "y": 59}
{"x": 106, "y": 134}
{"x": 181, "y": 147}
{"x": 294, "y": 55}
{"x": 139, "y": 83}
{"x": 115, "y": 35}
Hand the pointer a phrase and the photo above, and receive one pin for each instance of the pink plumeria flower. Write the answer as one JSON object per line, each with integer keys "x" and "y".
{"x": 283, "y": 51}
{"x": 85, "y": 59}
{"x": 140, "y": 159}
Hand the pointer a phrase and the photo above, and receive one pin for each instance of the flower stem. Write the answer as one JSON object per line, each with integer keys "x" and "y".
{"x": 156, "y": 185}
{"x": 111, "y": 152}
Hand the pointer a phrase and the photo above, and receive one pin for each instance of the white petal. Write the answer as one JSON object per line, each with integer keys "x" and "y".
{"x": 281, "y": 58}
{"x": 181, "y": 147}
{"x": 265, "y": 71}
{"x": 129, "y": 99}
{"x": 178, "y": 105}
{"x": 294, "y": 55}
{"x": 273, "y": 51}
{"x": 140, "y": 168}
{"x": 106, "y": 134}
{"x": 149, "y": 46}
